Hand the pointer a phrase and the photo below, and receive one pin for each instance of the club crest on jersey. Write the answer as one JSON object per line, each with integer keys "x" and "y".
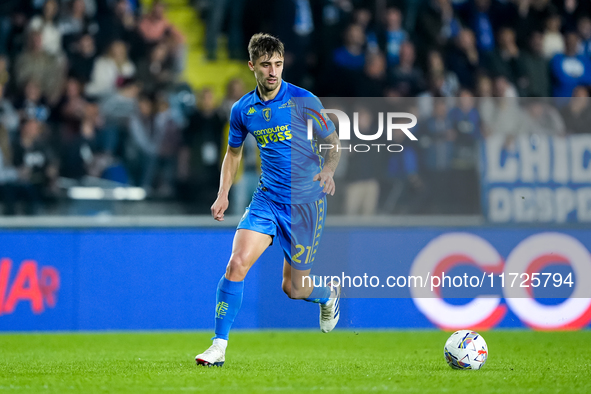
{"x": 267, "y": 114}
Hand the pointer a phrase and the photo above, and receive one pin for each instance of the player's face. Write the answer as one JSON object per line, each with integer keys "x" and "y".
{"x": 267, "y": 71}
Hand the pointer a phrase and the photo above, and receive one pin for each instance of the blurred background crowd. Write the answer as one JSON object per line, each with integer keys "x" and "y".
{"x": 93, "y": 93}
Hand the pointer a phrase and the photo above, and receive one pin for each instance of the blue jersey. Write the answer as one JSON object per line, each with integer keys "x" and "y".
{"x": 289, "y": 160}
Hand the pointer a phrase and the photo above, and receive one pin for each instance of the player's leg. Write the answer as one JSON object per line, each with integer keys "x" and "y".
{"x": 299, "y": 285}
{"x": 247, "y": 247}
{"x": 300, "y": 231}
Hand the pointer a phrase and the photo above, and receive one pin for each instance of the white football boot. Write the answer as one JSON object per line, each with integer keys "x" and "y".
{"x": 214, "y": 356}
{"x": 330, "y": 312}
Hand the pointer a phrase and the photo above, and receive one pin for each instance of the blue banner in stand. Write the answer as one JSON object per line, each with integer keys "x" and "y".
{"x": 166, "y": 279}
{"x": 536, "y": 179}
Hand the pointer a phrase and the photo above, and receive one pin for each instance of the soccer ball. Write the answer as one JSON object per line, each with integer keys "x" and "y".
{"x": 465, "y": 349}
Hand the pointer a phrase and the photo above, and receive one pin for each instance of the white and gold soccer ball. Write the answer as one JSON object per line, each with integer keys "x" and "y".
{"x": 465, "y": 349}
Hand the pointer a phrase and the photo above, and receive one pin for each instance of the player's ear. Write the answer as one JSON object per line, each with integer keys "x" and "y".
{"x": 251, "y": 65}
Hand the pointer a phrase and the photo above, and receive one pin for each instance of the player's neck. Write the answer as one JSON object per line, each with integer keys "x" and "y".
{"x": 267, "y": 95}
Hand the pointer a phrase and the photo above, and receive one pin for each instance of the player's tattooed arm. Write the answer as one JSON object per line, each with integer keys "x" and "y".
{"x": 331, "y": 161}
{"x": 334, "y": 154}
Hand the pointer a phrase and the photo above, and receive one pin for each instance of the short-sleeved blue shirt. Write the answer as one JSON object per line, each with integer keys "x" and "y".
{"x": 289, "y": 160}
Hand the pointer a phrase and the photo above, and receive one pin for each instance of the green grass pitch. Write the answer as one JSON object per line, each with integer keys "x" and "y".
{"x": 291, "y": 361}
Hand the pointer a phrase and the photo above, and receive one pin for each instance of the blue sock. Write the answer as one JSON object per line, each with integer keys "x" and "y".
{"x": 228, "y": 301}
{"x": 320, "y": 294}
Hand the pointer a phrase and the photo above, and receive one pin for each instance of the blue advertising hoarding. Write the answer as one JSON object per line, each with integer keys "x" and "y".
{"x": 116, "y": 279}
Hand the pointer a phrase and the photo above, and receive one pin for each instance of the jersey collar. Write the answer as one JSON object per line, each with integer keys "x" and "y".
{"x": 256, "y": 99}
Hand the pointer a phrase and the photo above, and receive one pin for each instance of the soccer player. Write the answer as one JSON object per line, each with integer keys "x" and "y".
{"x": 289, "y": 204}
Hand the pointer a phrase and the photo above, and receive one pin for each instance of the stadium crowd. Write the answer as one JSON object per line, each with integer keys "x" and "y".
{"x": 91, "y": 90}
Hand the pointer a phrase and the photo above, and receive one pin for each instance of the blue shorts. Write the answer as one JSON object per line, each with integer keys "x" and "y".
{"x": 298, "y": 226}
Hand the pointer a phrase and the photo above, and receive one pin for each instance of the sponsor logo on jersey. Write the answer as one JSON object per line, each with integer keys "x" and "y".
{"x": 272, "y": 134}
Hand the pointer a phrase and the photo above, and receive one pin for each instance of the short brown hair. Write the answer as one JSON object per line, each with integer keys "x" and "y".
{"x": 262, "y": 44}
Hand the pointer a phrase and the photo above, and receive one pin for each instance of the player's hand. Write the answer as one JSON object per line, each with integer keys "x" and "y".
{"x": 326, "y": 181}
{"x": 219, "y": 207}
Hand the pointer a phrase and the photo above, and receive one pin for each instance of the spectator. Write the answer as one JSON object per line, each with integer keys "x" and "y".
{"x": 553, "y": 39}
{"x": 535, "y": 81}
{"x": 407, "y": 78}
{"x": 351, "y": 55}
{"x": 4, "y": 74}
{"x": 577, "y": 113}
{"x": 464, "y": 60}
{"x": 7, "y": 9}
{"x": 141, "y": 150}
{"x": 373, "y": 81}
{"x": 544, "y": 118}
{"x": 82, "y": 59}
{"x": 404, "y": 187}
{"x": 449, "y": 82}
{"x": 161, "y": 170}
{"x": 466, "y": 123}
{"x": 234, "y": 91}
{"x": 348, "y": 61}
{"x": 32, "y": 105}
{"x": 439, "y": 135}
{"x": 533, "y": 15}
{"x": 9, "y": 118}
{"x": 46, "y": 24}
{"x": 437, "y": 24}
{"x": 117, "y": 109}
{"x": 247, "y": 178}
{"x": 504, "y": 88}
{"x": 80, "y": 150}
{"x": 32, "y": 159}
{"x": 90, "y": 7}
{"x": 481, "y": 24}
{"x": 392, "y": 36}
{"x": 569, "y": 69}
{"x": 8, "y": 174}
{"x": 110, "y": 70}
{"x": 16, "y": 30}
{"x": 294, "y": 26}
{"x": 75, "y": 23}
{"x": 584, "y": 30}
{"x": 506, "y": 60}
{"x": 465, "y": 120}
{"x": 155, "y": 72}
{"x": 199, "y": 159}
{"x": 215, "y": 21}
{"x": 503, "y": 115}
{"x": 363, "y": 187}
{"x": 35, "y": 64}
{"x": 486, "y": 104}
{"x": 72, "y": 107}
{"x": 154, "y": 26}
{"x": 484, "y": 86}
{"x": 119, "y": 24}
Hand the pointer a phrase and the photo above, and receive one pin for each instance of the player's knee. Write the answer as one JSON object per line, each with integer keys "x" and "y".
{"x": 237, "y": 268}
